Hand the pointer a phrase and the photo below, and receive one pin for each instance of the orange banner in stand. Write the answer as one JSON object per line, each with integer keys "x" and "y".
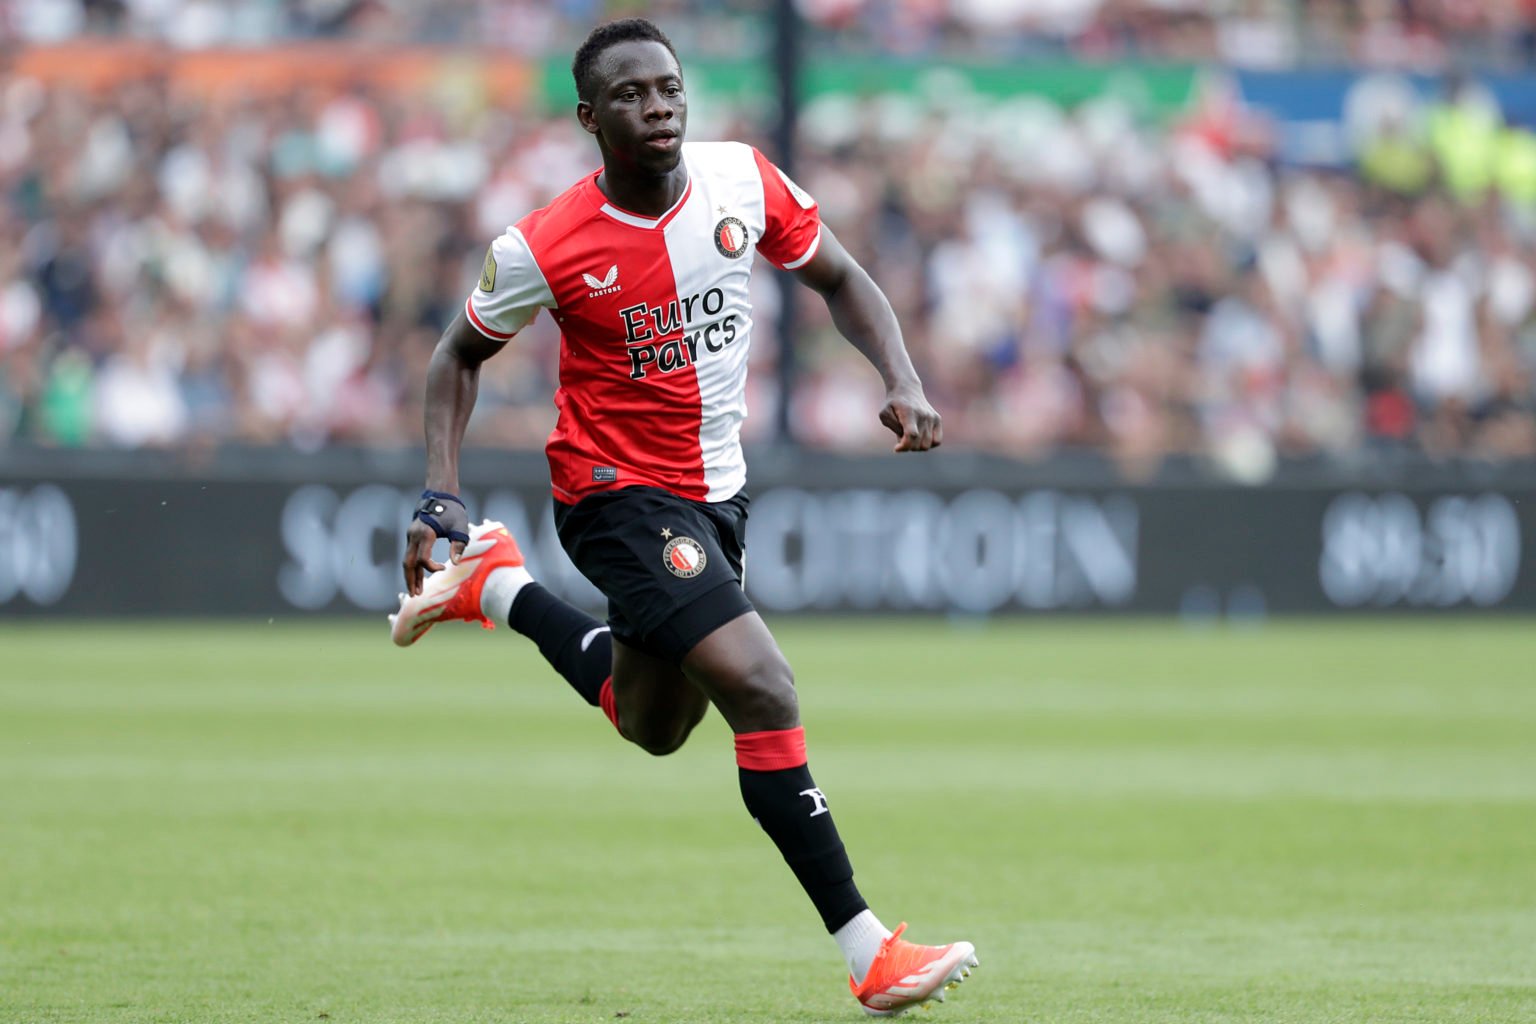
{"x": 259, "y": 71}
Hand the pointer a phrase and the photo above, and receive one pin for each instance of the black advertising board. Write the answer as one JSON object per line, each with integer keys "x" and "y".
{"x": 848, "y": 535}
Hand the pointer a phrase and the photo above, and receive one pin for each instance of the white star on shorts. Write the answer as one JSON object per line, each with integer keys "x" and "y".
{"x": 667, "y": 533}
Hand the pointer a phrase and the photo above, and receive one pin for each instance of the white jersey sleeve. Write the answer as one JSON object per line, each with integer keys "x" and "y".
{"x": 512, "y": 289}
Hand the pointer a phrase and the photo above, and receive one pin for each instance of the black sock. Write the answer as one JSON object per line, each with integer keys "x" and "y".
{"x": 792, "y": 810}
{"x": 560, "y": 629}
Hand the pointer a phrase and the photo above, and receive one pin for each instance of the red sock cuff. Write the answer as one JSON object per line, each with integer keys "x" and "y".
{"x": 605, "y": 701}
{"x": 771, "y": 751}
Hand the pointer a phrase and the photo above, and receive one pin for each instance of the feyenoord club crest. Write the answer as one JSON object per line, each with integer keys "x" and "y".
{"x": 731, "y": 237}
{"x": 684, "y": 557}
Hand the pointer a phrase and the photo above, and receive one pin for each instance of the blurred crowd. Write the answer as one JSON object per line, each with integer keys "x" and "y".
{"x": 1085, "y": 279}
{"x": 1427, "y": 35}
{"x": 188, "y": 270}
{"x": 1424, "y": 35}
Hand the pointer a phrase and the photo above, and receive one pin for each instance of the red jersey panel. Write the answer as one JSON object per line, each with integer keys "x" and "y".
{"x": 654, "y": 319}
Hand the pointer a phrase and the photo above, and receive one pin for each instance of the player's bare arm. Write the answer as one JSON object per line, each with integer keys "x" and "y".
{"x": 453, "y": 381}
{"x": 864, "y": 316}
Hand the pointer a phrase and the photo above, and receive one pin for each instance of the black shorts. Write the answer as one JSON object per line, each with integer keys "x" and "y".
{"x": 671, "y": 568}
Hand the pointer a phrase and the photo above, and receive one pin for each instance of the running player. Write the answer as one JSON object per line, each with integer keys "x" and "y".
{"x": 645, "y": 265}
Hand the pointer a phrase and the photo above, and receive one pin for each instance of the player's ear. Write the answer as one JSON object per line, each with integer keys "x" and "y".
{"x": 587, "y": 117}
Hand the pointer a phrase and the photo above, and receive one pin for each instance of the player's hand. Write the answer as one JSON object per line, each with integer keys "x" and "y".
{"x": 438, "y": 515}
{"x": 418, "y": 555}
{"x": 915, "y": 423}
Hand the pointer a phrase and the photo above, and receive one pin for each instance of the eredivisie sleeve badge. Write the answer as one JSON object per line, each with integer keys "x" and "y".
{"x": 801, "y": 195}
{"x": 488, "y": 272}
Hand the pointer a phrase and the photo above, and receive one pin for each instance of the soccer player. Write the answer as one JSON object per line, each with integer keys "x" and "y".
{"x": 645, "y": 266}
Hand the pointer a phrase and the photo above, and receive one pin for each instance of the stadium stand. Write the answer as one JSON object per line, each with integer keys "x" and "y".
{"x": 272, "y": 266}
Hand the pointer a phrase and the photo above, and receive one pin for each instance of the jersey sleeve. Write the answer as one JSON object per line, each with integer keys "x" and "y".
{"x": 512, "y": 289}
{"x": 793, "y": 230}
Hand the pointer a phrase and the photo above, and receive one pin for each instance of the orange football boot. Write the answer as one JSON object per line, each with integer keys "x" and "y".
{"x": 905, "y": 974}
{"x": 454, "y": 593}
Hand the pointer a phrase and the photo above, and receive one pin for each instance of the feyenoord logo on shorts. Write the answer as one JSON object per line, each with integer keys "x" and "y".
{"x": 731, "y": 238}
{"x": 684, "y": 557}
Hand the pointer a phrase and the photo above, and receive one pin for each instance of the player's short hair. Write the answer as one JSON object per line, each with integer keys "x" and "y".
{"x": 584, "y": 67}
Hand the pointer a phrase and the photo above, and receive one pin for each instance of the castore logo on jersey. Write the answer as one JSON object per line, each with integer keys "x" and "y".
{"x": 608, "y": 285}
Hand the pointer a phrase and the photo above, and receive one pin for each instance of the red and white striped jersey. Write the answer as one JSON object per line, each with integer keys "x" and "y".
{"x": 654, "y": 319}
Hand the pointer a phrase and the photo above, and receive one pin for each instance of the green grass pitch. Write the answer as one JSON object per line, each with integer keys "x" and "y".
{"x": 1133, "y": 821}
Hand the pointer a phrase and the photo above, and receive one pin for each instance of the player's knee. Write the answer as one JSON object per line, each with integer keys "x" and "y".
{"x": 657, "y": 738}
{"x": 659, "y": 744}
{"x": 663, "y": 749}
{"x": 766, "y": 695}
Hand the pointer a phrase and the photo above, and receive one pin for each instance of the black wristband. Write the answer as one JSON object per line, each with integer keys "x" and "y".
{"x": 446, "y": 521}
